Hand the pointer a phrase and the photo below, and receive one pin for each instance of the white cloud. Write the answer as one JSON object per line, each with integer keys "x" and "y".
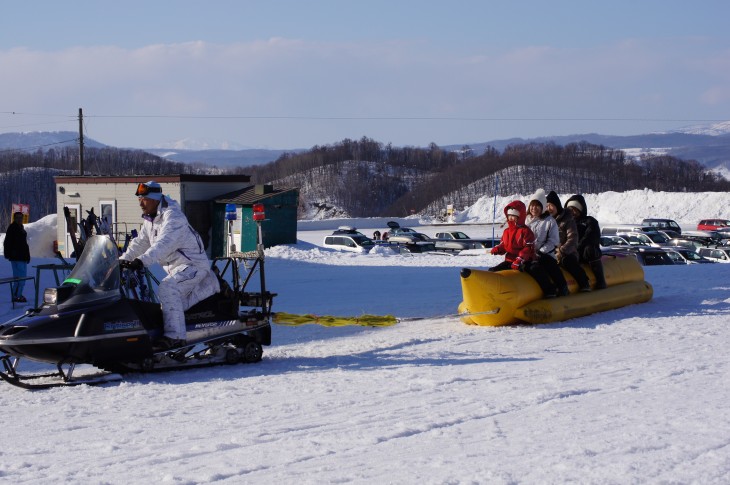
{"x": 281, "y": 77}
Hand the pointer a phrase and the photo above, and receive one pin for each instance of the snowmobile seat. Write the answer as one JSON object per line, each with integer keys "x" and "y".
{"x": 224, "y": 302}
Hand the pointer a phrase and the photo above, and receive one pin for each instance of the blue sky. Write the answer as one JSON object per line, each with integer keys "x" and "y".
{"x": 293, "y": 74}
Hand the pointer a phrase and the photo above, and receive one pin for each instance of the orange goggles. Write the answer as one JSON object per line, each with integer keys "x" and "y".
{"x": 143, "y": 190}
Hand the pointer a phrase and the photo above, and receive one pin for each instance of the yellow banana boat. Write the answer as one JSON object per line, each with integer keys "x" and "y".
{"x": 508, "y": 297}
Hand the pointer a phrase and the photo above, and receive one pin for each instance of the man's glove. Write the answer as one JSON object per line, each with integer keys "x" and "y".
{"x": 495, "y": 250}
{"x": 133, "y": 265}
{"x": 517, "y": 264}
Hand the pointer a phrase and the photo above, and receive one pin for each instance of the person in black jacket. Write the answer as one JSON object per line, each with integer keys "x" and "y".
{"x": 589, "y": 238}
{"x": 567, "y": 250}
{"x": 16, "y": 250}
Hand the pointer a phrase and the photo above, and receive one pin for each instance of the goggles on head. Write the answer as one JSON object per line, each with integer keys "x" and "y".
{"x": 144, "y": 190}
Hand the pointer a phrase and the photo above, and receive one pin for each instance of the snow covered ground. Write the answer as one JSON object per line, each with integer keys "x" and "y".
{"x": 635, "y": 395}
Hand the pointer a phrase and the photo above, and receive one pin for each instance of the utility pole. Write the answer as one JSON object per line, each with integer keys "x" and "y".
{"x": 81, "y": 142}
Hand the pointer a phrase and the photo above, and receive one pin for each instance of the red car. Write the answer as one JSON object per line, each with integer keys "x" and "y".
{"x": 712, "y": 224}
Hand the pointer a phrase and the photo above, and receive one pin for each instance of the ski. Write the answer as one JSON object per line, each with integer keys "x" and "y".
{"x": 71, "y": 226}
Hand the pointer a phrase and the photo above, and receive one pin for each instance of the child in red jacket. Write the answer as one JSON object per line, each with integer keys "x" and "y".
{"x": 518, "y": 243}
{"x": 517, "y": 240}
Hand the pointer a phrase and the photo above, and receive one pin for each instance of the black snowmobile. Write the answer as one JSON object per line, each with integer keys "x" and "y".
{"x": 108, "y": 317}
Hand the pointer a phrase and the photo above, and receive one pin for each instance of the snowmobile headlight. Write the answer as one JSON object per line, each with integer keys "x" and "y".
{"x": 50, "y": 296}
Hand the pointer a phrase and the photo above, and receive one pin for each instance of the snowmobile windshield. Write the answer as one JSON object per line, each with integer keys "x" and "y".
{"x": 96, "y": 273}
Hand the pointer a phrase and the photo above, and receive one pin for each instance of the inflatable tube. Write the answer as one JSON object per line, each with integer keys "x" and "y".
{"x": 508, "y": 297}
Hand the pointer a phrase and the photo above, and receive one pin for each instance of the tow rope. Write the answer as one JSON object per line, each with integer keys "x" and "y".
{"x": 365, "y": 320}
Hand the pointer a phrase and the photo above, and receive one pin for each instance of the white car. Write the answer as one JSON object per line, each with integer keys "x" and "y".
{"x": 347, "y": 238}
{"x": 684, "y": 255}
{"x": 718, "y": 254}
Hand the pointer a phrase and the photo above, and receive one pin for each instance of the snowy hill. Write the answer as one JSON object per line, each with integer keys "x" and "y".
{"x": 43, "y": 140}
{"x": 221, "y": 158}
{"x": 712, "y": 129}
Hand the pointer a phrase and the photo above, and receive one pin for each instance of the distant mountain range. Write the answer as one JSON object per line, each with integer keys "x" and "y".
{"x": 708, "y": 144}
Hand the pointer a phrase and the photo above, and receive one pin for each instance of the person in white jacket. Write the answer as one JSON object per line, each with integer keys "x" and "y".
{"x": 547, "y": 239}
{"x": 168, "y": 239}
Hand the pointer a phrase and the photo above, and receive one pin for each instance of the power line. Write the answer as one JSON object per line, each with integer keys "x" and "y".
{"x": 362, "y": 118}
{"x": 400, "y": 118}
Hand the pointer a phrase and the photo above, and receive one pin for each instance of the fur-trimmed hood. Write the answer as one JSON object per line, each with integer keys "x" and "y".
{"x": 579, "y": 203}
{"x": 519, "y": 206}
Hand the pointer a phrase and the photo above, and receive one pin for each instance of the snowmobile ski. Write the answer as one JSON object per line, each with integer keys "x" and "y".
{"x": 60, "y": 378}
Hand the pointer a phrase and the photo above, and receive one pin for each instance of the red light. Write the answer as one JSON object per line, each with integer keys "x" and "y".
{"x": 258, "y": 212}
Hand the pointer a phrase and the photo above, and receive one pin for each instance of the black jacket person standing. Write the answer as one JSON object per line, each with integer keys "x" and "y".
{"x": 16, "y": 250}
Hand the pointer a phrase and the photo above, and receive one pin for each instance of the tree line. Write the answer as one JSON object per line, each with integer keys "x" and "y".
{"x": 369, "y": 179}
{"x": 27, "y": 177}
{"x": 364, "y": 178}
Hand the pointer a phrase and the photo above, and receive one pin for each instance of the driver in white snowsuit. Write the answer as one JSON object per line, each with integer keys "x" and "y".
{"x": 167, "y": 238}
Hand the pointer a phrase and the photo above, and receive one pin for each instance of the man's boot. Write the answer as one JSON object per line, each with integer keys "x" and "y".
{"x": 597, "y": 268}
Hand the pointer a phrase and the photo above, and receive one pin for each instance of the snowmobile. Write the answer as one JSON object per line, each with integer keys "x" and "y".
{"x": 108, "y": 317}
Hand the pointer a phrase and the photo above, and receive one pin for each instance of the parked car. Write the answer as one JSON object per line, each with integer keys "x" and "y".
{"x": 407, "y": 236}
{"x": 614, "y": 241}
{"x": 457, "y": 240}
{"x": 647, "y": 256}
{"x": 684, "y": 255}
{"x": 347, "y": 238}
{"x": 644, "y": 238}
{"x": 670, "y": 234}
{"x": 656, "y": 238}
{"x": 613, "y": 229}
{"x": 411, "y": 240}
{"x": 394, "y": 229}
{"x": 708, "y": 237}
{"x": 662, "y": 224}
{"x": 686, "y": 242}
{"x": 712, "y": 224}
{"x": 720, "y": 254}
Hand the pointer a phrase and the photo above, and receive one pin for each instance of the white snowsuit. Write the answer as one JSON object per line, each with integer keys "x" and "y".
{"x": 547, "y": 235}
{"x": 169, "y": 240}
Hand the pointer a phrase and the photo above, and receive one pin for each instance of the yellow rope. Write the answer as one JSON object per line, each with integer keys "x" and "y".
{"x": 330, "y": 321}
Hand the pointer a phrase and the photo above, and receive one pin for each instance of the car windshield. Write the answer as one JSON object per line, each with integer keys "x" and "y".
{"x": 657, "y": 237}
{"x": 692, "y": 256}
{"x": 363, "y": 241}
{"x": 676, "y": 257}
{"x": 686, "y": 242}
{"x": 635, "y": 240}
{"x": 654, "y": 259}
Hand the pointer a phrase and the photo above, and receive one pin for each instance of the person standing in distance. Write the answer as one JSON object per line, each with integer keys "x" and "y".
{"x": 168, "y": 239}
{"x": 16, "y": 250}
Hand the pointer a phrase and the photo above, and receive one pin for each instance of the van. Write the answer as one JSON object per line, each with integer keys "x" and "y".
{"x": 662, "y": 224}
{"x": 612, "y": 230}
